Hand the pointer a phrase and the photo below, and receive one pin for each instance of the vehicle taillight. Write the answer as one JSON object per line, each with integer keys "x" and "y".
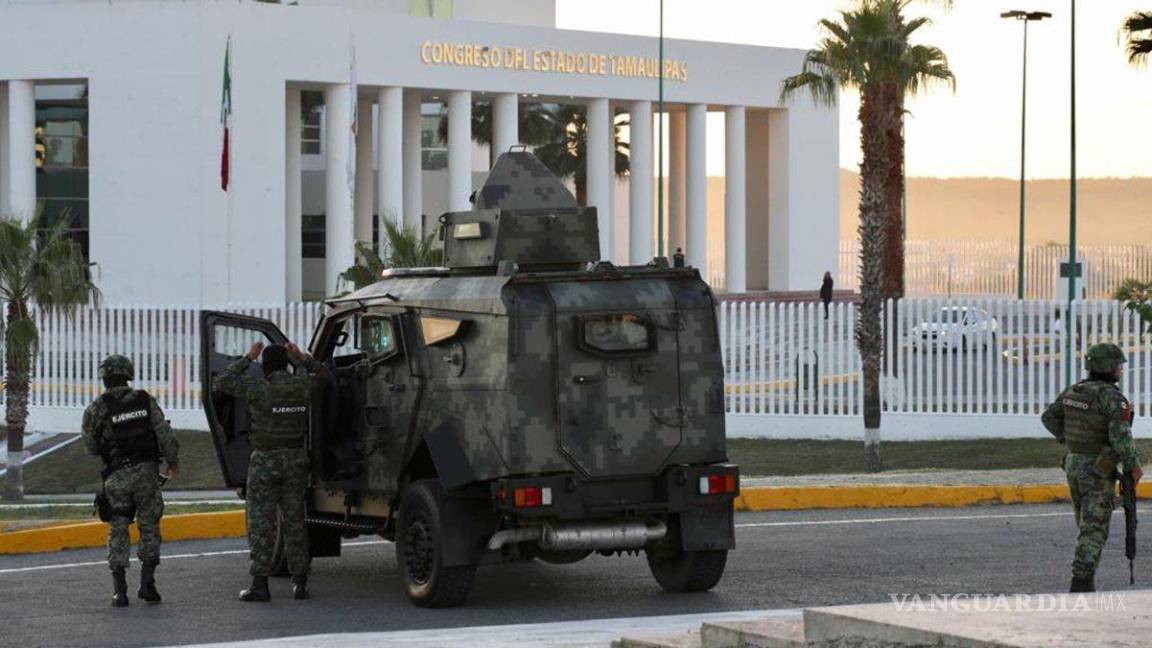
{"x": 717, "y": 484}
{"x": 529, "y": 496}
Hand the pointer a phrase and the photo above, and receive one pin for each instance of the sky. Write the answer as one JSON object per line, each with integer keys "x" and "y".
{"x": 974, "y": 132}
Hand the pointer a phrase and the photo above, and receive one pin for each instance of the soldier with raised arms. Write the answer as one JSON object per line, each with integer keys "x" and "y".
{"x": 1093, "y": 420}
{"x": 278, "y": 403}
{"x": 127, "y": 429}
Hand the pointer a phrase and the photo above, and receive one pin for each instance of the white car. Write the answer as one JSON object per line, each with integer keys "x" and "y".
{"x": 955, "y": 327}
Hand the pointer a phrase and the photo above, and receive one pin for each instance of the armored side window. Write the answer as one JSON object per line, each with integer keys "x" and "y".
{"x": 378, "y": 337}
{"x": 615, "y": 334}
{"x": 439, "y": 329}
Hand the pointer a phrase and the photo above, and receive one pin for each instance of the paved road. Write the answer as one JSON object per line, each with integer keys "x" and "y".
{"x": 785, "y": 560}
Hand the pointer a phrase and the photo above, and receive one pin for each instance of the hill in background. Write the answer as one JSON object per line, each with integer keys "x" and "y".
{"x": 1109, "y": 211}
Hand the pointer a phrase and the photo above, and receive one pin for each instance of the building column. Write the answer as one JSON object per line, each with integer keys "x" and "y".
{"x": 3, "y": 147}
{"x": 293, "y": 198}
{"x": 505, "y": 123}
{"x": 390, "y": 152}
{"x": 640, "y": 231}
{"x": 696, "y": 188}
{"x": 339, "y": 249}
{"x": 598, "y": 174}
{"x": 735, "y": 221}
{"x": 413, "y": 162}
{"x": 676, "y": 173}
{"x": 459, "y": 150}
{"x": 365, "y": 173}
{"x": 20, "y": 141}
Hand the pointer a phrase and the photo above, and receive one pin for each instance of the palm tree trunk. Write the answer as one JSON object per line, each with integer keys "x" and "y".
{"x": 873, "y": 173}
{"x": 892, "y": 272}
{"x": 16, "y": 407}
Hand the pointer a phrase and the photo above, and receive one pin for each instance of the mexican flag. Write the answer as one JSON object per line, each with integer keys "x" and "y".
{"x": 226, "y": 114}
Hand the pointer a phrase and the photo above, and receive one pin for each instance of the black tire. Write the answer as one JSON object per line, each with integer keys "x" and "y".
{"x": 419, "y": 551}
{"x": 279, "y": 554}
{"x": 688, "y": 571}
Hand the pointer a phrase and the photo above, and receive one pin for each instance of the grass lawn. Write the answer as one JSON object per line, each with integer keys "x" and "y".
{"x": 803, "y": 457}
{"x": 73, "y": 470}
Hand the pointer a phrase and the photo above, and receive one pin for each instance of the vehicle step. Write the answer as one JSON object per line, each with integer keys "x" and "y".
{"x": 766, "y": 633}
{"x": 689, "y": 639}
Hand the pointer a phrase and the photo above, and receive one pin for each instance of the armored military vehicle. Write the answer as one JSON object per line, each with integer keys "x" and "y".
{"x": 526, "y": 401}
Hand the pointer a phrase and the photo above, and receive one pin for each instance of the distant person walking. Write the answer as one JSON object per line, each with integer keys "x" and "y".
{"x": 1093, "y": 420}
{"x": 826, "y": 292}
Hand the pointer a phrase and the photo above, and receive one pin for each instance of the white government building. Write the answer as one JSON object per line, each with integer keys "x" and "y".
{"x": 110, "y": 112}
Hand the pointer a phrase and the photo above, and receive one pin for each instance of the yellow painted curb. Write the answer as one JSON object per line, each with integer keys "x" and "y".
{"x": 791, "y": 498}
{"x": 188, "y": 526}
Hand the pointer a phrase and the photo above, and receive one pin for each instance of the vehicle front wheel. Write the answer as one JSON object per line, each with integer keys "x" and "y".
{"x": 687, "y": 571}
{"x": 420, "y": 551}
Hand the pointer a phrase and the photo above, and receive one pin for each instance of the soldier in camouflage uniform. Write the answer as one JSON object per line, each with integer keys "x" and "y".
{"x": 1094, "y": 421}
{"x": 127, "y": 429}
{"x": 279, "y": 404}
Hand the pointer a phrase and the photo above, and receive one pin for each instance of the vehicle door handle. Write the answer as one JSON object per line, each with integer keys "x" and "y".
{"x": 581, "y": 380}
{"x": 397, "y": 387}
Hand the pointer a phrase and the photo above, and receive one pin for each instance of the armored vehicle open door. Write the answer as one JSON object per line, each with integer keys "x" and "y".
{"x": 224, "y": 338}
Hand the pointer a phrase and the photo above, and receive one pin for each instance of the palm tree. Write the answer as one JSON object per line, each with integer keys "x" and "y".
{"x": 41, "y": 267}
{"x": 565, "y": 151}
{"x": 535, "y": 125}
{"x": 868, "y": 50}
{"x": 403, "y": 248}
{"x": 1138, "y": 31}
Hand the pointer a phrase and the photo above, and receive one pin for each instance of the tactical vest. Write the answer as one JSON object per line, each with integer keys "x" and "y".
{"x": 132, "y": 440}
{"x": 282, "y": 420}
{"x": 1085, "y": 424}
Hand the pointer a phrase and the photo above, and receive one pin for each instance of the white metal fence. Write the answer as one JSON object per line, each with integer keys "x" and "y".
{"x": 789, "y": 371}
{"x": 962, "y": 267}
{"x": 162, "y": 342}
{"x": 788, "y": 365}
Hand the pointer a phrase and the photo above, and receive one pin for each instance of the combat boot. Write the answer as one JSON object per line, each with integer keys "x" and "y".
{"x": 257, "y": 592}
{"x": 119, "y": 588}
{"x": 147, "y": 589}
{"x": 1081, "y": 584}
{"x": 300, "y": 587}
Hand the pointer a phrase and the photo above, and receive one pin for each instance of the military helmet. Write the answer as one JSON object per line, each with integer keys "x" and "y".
{"x": 1103, "y": 357}
{"x": 117, "y": 365}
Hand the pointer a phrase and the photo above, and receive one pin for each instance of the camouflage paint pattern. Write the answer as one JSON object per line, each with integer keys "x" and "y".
{"x": 1093, "y": 500}
{"x": 277, "y": 480}
{"x": 135, "y": 487}
{"x": 1093, "y": 420}
{"x": 513, "y": 393}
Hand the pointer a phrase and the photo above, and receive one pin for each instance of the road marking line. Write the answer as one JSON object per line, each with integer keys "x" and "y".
{"x": 167, "y": 504}
{"x": 201, "y": 554}
{"x": 932, "y": 518}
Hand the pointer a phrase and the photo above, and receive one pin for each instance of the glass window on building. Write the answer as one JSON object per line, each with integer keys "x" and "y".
{"x": 62, "y": 157}
{"x": 434, "y": 156}
{"x": 313, "y": 229}
{"x": 430, "y": 8}
{"x": 312, "y": 111}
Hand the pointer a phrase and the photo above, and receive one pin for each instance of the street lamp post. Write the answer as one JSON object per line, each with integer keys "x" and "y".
{"x": 1024, "y": 17}
{"x": 1072, "y": 274}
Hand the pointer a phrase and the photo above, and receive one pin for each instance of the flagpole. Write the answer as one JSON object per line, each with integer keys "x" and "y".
{"x": 660, "y": 146}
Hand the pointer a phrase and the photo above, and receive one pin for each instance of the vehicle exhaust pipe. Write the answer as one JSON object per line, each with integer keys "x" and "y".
{"x": 579, "y": 537}
{"x": 597, "y": 536}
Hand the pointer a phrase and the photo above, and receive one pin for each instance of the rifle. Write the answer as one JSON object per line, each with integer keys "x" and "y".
{"x": 1128, "y": 495}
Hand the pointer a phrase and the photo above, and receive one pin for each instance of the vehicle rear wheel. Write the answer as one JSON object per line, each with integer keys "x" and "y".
{"x": 279, "y": 554}
{"x": 420, "y": 552}
{"x": 687, "y": 571}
